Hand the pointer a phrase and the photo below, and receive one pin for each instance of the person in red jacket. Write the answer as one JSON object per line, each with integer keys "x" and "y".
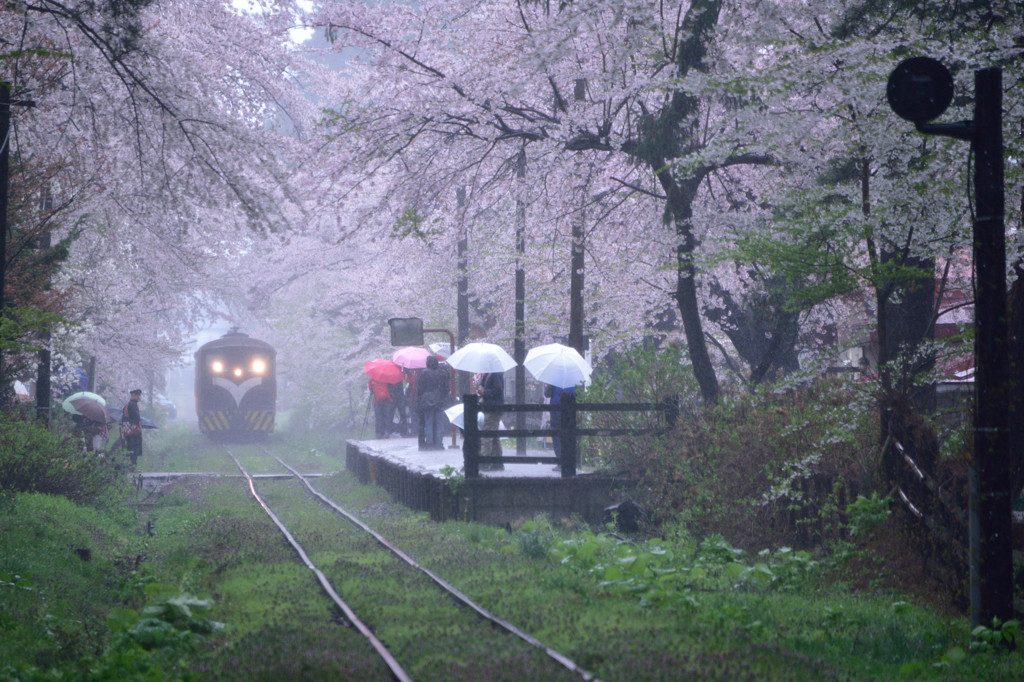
{"x": 383, "y": 408}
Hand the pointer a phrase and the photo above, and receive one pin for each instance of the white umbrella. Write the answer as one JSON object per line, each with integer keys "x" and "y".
{"x": 441, "y": 348}
{"x": 558, "y": 365}
{"x": 457, "y": 415}
{"x": 481, "y": 357}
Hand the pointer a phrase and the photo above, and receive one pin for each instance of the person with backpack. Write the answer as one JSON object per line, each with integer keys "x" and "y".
{"x": 131, "y": 426}
{"x": 492, "y": 392}
{"x": 433, "y": 395}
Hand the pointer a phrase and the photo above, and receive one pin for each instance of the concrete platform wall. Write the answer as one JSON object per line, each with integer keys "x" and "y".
{"x": 496, "y": 501}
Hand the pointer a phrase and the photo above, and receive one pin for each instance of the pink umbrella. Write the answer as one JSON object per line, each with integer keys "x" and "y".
{"x": 411, "y": 357}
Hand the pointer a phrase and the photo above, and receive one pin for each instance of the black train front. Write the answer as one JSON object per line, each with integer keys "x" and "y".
{"x": 236, "y": 387}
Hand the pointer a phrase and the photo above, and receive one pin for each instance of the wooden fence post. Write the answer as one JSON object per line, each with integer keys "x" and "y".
{"x": 671, "y": 410}
{"x": 568, "y": 435}
{"x": 471, "y": 436}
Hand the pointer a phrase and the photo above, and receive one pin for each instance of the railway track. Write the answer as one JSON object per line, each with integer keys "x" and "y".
{"x": 498, "y": 636}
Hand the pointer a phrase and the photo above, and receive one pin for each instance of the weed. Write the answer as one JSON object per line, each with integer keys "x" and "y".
{"x": 1002, "y": 636}
{"x": 453, "y": 477}
{"x": 866, "y": 513}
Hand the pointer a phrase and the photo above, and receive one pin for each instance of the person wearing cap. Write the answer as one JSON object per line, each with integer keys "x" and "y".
{"x": 131, "y": 426}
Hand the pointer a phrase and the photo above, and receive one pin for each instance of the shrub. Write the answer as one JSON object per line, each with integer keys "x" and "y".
{"x": 32, "y": 459}
{"x": 776, "y": 466}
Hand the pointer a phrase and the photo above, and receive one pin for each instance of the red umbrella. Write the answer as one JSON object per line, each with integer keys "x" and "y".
{"x": 384, "y": 371}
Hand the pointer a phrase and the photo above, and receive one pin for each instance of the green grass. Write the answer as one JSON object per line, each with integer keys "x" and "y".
{"x": 681, "y": 608}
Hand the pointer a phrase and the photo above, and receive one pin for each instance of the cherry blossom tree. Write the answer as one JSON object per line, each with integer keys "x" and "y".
{"x": 174, "y": 123}
{"x": 689, "y": 95}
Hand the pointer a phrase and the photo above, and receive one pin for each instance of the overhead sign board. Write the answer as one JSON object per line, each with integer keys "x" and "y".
{"x": 406, "y": 331}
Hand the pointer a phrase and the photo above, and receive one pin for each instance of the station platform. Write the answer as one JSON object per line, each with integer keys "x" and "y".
{"x": 520, "y": 492}
{"x": 406, "y": 452}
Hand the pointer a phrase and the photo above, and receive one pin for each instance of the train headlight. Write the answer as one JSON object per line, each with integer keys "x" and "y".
{"x": 259, "y": 366}
{"x": 217, "y": 366}
{"x": 237, "y": 372}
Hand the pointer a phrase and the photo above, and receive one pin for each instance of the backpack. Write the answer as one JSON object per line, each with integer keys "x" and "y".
{"x": 128, "y": 429}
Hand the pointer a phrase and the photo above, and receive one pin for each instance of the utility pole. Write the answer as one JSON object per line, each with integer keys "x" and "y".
{"x": 5, "y": 154}
{"x": 919, "y": 90}
{"x": 991, "y": 510}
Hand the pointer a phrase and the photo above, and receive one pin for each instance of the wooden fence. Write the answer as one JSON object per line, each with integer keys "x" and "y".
{"x": 568, "y": 431}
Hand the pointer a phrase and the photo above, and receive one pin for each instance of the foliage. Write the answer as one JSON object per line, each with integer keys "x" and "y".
{"x": 780, "y": 462}
{"x": 34, "y": 459}
{"x": 866, "y": 513}
{"x": 453, "y": 478}
{"x": 1002, "y": 636}
{"x": 665, "y": 574}
{"x": 20, "y": 330}
{"x": 89, "y": 613}
{"x": 62, "y": 565}
{"x": 680, "y": 605}
{"x": 637, "y": 375}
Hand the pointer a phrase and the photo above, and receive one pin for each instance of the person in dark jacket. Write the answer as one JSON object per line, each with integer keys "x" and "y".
{"x": 397, "y": 392}
{"x": 492, "y": 392}
{"x": 131, "y": 426}
{"x": 433, "y": 395}
{"x": 556, "y": 394}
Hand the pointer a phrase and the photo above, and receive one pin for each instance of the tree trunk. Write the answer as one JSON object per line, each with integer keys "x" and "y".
{"x": 462, "y": 302}
{"x": 679, "y": 210}
{"x": 519, "y": 351}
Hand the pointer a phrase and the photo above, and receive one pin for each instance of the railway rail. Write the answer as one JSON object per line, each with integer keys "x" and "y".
{"x": 351, "y": 617}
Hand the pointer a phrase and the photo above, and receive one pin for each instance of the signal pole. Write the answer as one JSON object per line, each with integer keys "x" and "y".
{"x": 919, "y": 90}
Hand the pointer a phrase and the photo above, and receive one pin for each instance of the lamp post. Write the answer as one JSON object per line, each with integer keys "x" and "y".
{"x": 919, "y": 90}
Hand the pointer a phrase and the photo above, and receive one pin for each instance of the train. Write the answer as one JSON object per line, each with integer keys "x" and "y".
{"x": 236, "y": 387}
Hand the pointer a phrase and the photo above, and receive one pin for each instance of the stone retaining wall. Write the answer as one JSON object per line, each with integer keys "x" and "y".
{"x": 496, "y": 501}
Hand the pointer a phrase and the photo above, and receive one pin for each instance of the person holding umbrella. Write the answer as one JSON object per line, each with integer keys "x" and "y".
{"x": 433, "y": 394}
{"x": 562, "y": 368}
{"x": 382, "y": 373}
{"x": 131, "y": 426}
{"x": 555, "y": 394}
{"x": 491, "y": 360}
{"x": 492, "y": 392}
{"x": 383, "y": 408}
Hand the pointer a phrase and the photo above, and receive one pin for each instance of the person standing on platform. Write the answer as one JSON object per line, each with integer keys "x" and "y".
{"x": 383, "y": 408}
{"x": 492, "y": 392}
{"x": 131, "y": 427}
{"x": 556, "y": 394}
{"x": 398, "y": 399}
{"x": 433, "y": 395}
